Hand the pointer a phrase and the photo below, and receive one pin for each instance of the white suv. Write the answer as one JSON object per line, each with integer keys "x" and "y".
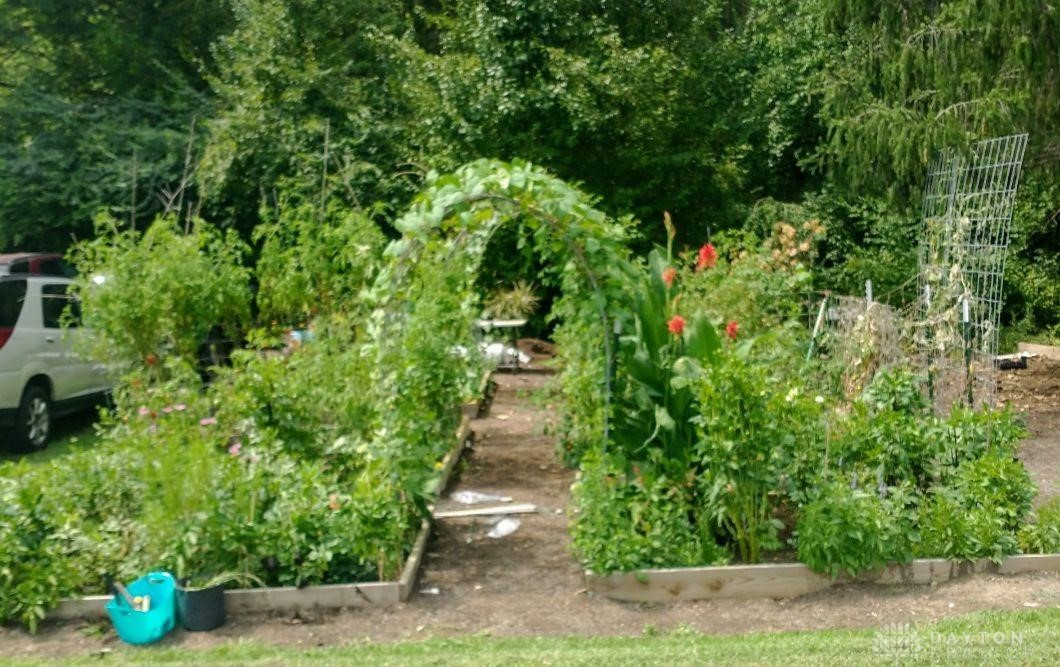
{"x": 41, "y": 373}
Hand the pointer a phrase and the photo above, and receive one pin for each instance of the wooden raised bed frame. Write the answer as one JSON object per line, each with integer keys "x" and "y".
{"x": 789, "y": 579}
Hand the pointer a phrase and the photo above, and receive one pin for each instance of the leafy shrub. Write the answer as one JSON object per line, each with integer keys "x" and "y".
{"x": 948, "y": 529}
{"x": 158, "y": 293}
{"x": 852, "y": 530}
{"x": 1043, "y": 535}
{"x": 895, "y": 390}
{"x": 637, "y": 519}
{"x": 748, "y": 433}
{"x": 998, "y": 483}
{"x": 313, "y": 261}
{"x": 979, "y": 512}
{"x": 34, "y": 573}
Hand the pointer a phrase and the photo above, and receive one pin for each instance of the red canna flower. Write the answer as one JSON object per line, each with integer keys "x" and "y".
{"x": 668, "y": 275}
{"x": 676, "y": 325}
{"x": 708, "y": 257}
{"x": 731, "y": 329}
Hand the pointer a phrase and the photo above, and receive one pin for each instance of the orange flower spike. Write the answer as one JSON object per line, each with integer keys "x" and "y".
{"x": 731, "y": 329}
{"x": 668, "y": 275}
{"x": 676, "y": 325}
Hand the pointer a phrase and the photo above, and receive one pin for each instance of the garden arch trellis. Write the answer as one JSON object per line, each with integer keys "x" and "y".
{"x": 445, "y": 233}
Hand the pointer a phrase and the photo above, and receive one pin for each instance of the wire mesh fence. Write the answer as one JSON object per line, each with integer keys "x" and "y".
{"x": 967, "y": 214}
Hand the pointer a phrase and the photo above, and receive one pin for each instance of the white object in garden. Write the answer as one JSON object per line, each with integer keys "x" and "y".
{"x": 504, "y": 527}
{"x": 499, "y": 353}
{"x": 475, "y": 497}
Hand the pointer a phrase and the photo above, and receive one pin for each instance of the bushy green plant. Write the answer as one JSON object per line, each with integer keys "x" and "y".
{"x": 638, "y": 518}
{"x": 749, "y": 431}
{"x": 853, "y": 530}
{"x": 895, "y": 390}
{"x": 34, "y": 573}
{"x": 996, "y": 482}
{"x": 979, "y": 511}
{"x": 313, "y": 260}
{"x": 158, "y": 293}
{"x": 1042, "y": 536}
{"x": 950, "y": 529}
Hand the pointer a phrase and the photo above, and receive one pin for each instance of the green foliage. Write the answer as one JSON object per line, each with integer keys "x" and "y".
{"x": 301, "y": 94}
{"x": 1043, "y": 535}
{"x": 979, "y": 512}
{"x": 996, "y": 482}
{"x": 33, "y": 573}
{"x": 313, "y": 260}
{"x": 655, "y": 398}
{"x": 638, "y": 519}
{"x": 159, "y": 293}
{"x": 518, "y": 302}
{"x": 851, "y": 530}
{"x": 895, "y": 391}
{"x": 748, "y": 433}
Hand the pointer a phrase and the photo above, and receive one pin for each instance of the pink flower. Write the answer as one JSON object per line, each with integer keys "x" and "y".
{"x": 180, "y": 407}
{"x": 676, "y": 325}
{"x": 167, "y": 409}
{"x": 144, "y": 411}
{"x": 207, "y": 421}
{"x": 235, "y": 448}
{"x": 708, "y": 256}
{"x": 731, "y": 329}
{"x": 668, "y": 275}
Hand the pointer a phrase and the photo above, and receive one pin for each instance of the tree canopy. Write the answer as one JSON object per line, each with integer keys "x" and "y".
{"x": 718, "y": 111}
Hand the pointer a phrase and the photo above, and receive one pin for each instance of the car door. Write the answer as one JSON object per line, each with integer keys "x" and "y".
{"x": 71, "y": 374}
{"x": 12, "y": 356}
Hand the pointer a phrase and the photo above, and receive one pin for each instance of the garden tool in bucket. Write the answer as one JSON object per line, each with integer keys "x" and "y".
{"x": 146, "y": 611}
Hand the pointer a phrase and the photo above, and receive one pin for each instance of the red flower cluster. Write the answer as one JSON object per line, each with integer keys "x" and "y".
{"x": 668, "y": 275}
{"x": 708, "y": 257}
{"x": 676, "y": 325}
{"x": 731, "y": 329}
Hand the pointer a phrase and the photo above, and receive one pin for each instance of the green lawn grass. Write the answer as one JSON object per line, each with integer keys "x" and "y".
{"x": 69, "y": 433}
{"x": 1025, "y": 638}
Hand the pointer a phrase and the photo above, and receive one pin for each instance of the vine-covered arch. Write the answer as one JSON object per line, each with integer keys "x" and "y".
{"x": 425, "y": 294}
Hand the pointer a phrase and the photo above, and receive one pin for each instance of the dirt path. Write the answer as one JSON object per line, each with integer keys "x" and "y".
{"x": 528, "y": 584}
{"x": 1036, "y": 393}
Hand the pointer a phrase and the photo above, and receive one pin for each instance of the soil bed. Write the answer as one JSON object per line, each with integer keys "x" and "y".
{"x": 528, "y": 584}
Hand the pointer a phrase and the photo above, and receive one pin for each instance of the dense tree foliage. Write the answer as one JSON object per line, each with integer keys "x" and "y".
{"x": 723, "y": 112}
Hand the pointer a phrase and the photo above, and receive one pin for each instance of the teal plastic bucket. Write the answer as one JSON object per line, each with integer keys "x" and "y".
{"x": 144, "y": 627}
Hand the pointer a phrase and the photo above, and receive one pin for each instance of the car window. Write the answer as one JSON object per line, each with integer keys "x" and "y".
{"x": 12, "y": 295}
{"x": 53, "y": 301}
{"x": 19, "y": 267}
{"x": 51, "y": 267}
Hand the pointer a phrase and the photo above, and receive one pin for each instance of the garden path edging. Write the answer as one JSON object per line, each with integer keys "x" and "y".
{"x": 783, "y": 580}
{"x": 289, "y": 598}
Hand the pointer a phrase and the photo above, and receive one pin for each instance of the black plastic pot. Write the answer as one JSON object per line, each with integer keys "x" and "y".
{"x": 201, "y": 609}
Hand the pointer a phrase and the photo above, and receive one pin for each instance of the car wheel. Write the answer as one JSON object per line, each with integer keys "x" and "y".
{"x": 34, "y": 419}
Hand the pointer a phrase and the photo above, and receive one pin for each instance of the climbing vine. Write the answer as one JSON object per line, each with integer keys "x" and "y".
{"x": 445, "y": 234}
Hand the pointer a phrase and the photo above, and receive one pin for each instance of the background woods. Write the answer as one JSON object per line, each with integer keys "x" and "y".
{"x": 713, "y": 110}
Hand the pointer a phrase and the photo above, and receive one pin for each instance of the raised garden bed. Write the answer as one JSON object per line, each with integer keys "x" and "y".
{"x": 785, "y": 580}
{"x": 480, "y": 407}
{"x": 289, "y": 598}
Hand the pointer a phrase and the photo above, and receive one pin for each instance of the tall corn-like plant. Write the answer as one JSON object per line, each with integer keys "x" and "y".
{"x": 660, "y": 360}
